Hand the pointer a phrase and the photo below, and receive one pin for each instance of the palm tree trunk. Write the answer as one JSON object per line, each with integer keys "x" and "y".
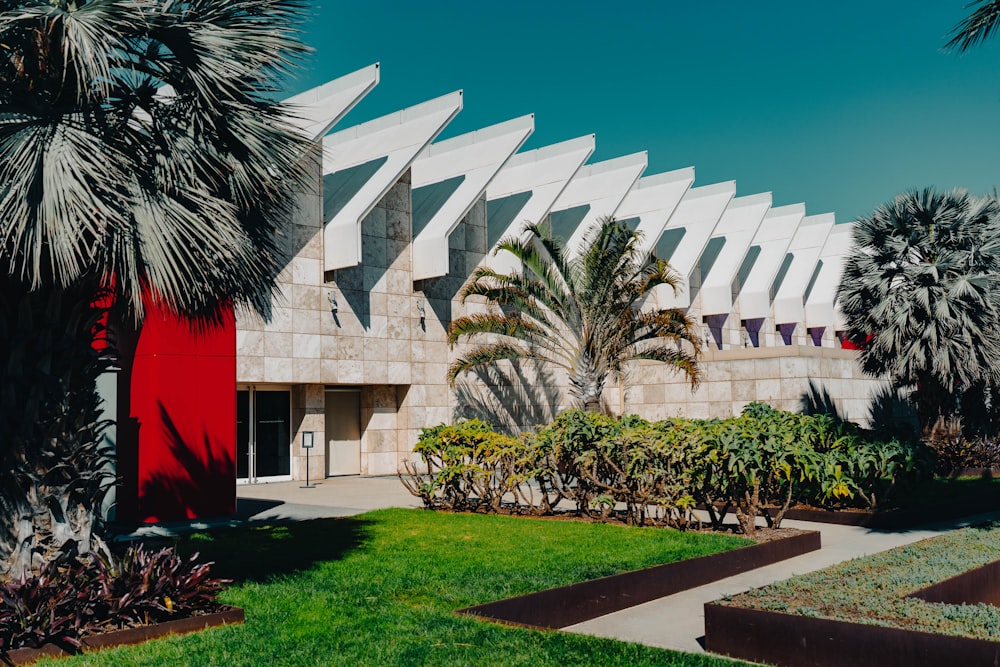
{"x": 54, "y": 464}
{"x": 587, "y": 384}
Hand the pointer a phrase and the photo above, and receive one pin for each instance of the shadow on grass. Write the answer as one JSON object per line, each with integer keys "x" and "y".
{"x": 259, "y": 552}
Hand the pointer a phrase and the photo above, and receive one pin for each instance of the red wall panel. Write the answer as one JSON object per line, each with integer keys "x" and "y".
{"x": 179, "y": 447}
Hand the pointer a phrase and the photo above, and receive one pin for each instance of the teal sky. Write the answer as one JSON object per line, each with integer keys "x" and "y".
{"x": 838, "y": 105}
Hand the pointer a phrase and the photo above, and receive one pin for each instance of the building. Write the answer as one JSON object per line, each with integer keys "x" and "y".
{"x": 355, "y": 352}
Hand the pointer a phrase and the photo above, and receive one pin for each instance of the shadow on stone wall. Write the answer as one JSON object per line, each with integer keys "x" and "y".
{"x": 817, "y": 401}
{"x": 515, "y": 398}
{"x": 893, "y": 414}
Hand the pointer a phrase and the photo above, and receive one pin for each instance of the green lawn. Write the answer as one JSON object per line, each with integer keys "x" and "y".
{"x": 380, "y": 589}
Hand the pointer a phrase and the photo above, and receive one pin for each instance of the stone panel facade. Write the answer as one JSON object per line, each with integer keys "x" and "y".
{"x": 371, "y": 327}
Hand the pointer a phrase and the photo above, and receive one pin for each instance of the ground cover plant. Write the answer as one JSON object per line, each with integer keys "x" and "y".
{"x": 67, "y": 601}
{"x": 660, "y": 471}
{"x": 873, "y": 589}
{"x": 381, "y": 589}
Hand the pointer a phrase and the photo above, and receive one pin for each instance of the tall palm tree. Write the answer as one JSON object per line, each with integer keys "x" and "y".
{"x": 977, "y": 27}
{"x": 142, "y": 154}
{"x": 580, "y": 314}
{"x": 922, "y": 296}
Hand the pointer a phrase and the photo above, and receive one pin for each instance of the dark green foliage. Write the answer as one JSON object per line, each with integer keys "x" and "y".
{"x": 957, "y": 452}
{"x": 561, "y": 448}
{"x": 142, "y": 153}
{"x": 65, "y": 602}
{"x": 977, "y": 27}
{"x": 922, "y": 298}
{"x": 660, "y": 471}
{"x": 639, "y": 466}
{"x": 140, "y": 142}
{"x": 465, "y": 460}
{"x": 54, "y": 463}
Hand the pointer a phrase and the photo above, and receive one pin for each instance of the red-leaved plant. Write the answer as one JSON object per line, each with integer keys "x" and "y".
{"x": 65, "y": 602}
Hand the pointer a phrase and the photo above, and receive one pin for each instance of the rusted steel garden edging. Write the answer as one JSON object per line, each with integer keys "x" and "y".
{"x": 979, "y": 585}
{"x": 801, "y": 641}
{"x": 128, "y": 636}
{"x": 786, "y": 639}
{"x": 559, "y": 607}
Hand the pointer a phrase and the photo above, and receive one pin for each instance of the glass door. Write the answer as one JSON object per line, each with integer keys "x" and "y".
{"x": 263, "y": 435}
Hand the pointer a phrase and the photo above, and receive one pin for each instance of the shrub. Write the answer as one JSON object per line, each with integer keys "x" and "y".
{"x": 465, "y": 465}
{"x": 67, "y": 601}
{"x": 560, "y": 448}
{"x": 641, "y": 467}
{"x": 955, "y": 451}
{"x": 760, "y": 459}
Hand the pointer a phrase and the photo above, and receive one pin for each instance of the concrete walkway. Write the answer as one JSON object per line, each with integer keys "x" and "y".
{"x": 330, "y": 497}
{"x": 676, "y": 622}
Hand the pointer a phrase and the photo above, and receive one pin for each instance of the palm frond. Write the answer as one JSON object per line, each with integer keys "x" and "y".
{"x": 580, "y": 314}
{"x": 491, "y": 354}
{"x": 977, "y": 27}
{"x": 138, "y": 140}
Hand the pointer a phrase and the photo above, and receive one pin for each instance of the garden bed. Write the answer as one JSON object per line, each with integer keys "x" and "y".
{"x": 925, "y": 603}
{"x": 940, "y": 500}
{"x": 127, "y": 636}
{"x": 567, "y": 605}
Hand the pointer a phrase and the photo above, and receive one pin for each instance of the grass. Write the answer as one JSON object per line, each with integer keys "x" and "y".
{"x": 380, "y": 589}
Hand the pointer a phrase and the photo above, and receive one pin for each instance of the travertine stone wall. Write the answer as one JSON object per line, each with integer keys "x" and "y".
{"x": 365, "y": 340}
{"x": 430, "y": 399}
{"x": 781, "y": 376}
{"x": 308, "y": 405}
{"x": 372, "y": 327}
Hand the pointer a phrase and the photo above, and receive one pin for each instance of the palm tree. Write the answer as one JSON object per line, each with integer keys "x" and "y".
{"x": 141, "y": 154}
{"x": 580, "y": 314}
{"x": 922, "y": 296}
{"x": 977, "y": 27}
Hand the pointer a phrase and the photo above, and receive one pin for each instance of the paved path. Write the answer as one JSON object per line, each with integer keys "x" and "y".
{"x": 333, "y": 496}
{"x": 678, "y": 621}
{"x": 675, "y": 622}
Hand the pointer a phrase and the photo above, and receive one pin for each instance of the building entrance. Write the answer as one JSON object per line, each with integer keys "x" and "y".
{"x": 343, "y": 432}
{"x": 263, "y": 434}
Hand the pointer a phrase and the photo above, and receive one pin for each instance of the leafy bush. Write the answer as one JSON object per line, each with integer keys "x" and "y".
{"x": 465, "y": 465}
{"x": 957, "y": 451}
{"x": 65, "y": 602}
{"x": 560, "y": 448}
{"x": 641, "y": 468}
{"x": 757, "y": 464}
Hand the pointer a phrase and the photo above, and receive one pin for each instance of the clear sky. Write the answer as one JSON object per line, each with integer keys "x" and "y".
{"x": 839, "y": 105}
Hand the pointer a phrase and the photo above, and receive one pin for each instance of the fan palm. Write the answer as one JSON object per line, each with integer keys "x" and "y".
{"x": 141, "y": 153}
{"x": 977, "y": 27}
{"x": 580, "y": 314}
{"x": 922, "y": 295}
